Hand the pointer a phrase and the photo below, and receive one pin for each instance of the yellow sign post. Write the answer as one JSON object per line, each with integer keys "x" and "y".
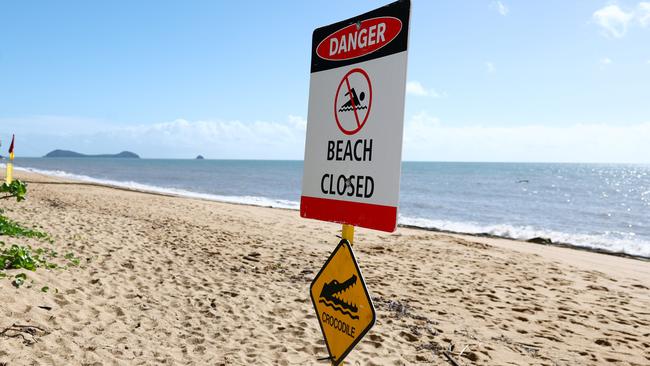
{"x": 342, "y": 302}
{"x": 347, "y": 232}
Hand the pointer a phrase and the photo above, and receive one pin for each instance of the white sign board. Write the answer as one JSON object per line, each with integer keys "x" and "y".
{"x": 355, "y": 123}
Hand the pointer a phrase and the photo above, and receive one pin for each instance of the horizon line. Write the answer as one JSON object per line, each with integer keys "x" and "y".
{"x": 302, "y": 160}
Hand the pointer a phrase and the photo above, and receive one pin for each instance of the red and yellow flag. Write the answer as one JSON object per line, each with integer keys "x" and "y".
{"x": 11, "y": 148}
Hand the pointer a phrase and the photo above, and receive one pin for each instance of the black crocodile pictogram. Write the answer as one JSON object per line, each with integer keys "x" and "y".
{"x": 331, "y": 293}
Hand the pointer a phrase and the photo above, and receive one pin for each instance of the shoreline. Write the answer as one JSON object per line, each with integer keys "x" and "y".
{"x": 533, "y": 241}
{"x": 540, "y": 240}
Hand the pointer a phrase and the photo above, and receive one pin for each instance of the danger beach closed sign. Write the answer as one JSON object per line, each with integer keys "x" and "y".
{"x": 355, "y": 122}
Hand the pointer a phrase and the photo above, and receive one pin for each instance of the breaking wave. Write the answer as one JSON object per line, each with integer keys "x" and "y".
{"x": 614, "y": 242}
{"x": 246, "y": 200}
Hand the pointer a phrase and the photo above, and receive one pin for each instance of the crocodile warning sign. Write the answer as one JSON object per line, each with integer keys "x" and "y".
{"x": 343, "y": 305}
{"x": 353, "y": 149}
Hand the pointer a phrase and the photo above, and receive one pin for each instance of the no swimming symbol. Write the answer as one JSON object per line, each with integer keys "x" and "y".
{"x": 353, "y": 101}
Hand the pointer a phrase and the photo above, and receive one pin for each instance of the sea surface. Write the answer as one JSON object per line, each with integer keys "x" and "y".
{"x": 604, "y": 206}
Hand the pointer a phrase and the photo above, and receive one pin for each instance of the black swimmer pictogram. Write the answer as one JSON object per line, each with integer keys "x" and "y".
{"x": 331, "y": 295}
{"x": 354, "y": 102}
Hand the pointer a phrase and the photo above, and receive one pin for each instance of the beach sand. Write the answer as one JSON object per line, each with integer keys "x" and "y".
{"x": 178, "y": 281}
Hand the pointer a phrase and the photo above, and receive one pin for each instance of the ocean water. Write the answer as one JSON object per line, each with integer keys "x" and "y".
{"x": 605, "y": 206}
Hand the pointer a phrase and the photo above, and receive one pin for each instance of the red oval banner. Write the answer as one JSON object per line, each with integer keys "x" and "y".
{"x": 359, "y": 39}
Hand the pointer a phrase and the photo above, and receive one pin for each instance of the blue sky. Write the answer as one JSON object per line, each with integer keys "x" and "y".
{"x": 488, "y": 80}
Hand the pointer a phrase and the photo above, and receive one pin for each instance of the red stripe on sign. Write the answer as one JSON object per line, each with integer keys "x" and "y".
{"x": 366, "y": 215}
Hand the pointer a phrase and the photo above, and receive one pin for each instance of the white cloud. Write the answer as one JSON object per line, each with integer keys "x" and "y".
{"x": 613, "y": 20}
{"x": 218, "y": 139}
{"x": 490, "y": 67}
{"x": 605, "y": 61}
{"x": 417, "y": 89}
{"x": 644, "y": 14}
{"x": 298, "y": 122}
{"x": 426, "y": 138}
{"x": 500, "y": 7}
{"x": 179, "y": 138}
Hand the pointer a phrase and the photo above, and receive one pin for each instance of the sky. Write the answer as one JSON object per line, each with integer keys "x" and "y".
{"x": 551, "y": 81}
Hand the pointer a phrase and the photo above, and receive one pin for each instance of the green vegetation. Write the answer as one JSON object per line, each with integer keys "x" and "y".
{"x": 15, "y": 230}
{"x": 72, "y": 259}
{"x": 19, "y": 257}
{"x": 19, "y": 279}
{"x": 17, "y": 189}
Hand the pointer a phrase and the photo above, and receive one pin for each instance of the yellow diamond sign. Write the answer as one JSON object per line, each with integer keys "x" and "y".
{"x": 343, "y": 305}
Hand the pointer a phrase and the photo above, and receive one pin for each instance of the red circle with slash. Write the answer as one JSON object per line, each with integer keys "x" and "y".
{"x": 345, "y": 85}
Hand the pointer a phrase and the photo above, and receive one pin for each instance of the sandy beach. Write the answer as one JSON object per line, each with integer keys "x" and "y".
{"x": 178, "y": 281}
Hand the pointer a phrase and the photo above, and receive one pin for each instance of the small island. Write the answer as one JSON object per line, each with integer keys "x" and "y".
{"x": 73, "y": 154}
{"x": 199, "y": 157}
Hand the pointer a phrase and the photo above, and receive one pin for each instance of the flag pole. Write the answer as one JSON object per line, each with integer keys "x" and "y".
{"x": 10, "y": 163}
{"x": 10, "y": 171}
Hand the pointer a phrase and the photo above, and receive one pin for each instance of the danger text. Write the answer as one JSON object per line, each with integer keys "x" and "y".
{"x": 360, "y": 39}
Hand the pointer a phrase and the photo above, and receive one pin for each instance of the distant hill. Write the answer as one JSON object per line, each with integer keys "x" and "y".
{"x": 200, "y": 157}
{"x": 72, "y": 154}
